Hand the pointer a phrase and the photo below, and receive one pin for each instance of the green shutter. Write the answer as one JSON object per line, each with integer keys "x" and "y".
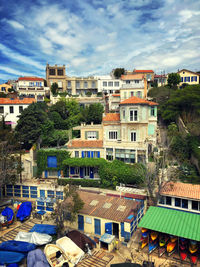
{"x": 97, "y": 135}
{"x": 151, "y": 129}
{"x": 86, "y": 135}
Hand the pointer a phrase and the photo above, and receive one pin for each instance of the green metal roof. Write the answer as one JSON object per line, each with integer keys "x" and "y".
{"x": 173, "y": 222}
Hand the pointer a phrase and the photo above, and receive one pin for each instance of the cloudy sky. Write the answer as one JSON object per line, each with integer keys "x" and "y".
{"x": 94, "y": 36}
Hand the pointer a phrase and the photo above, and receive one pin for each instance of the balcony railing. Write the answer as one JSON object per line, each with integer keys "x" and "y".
{"x": 133, "y": 86}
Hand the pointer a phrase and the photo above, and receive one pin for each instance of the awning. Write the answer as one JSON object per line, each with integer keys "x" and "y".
{"x": 173, "y": 222}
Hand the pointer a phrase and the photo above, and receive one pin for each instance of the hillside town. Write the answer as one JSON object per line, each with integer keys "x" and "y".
{"x": 100, "y": 170}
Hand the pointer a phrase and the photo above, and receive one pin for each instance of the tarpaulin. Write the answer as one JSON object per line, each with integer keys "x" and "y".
{"x": 24, "y": 211}
{"x": 44, "y": 229}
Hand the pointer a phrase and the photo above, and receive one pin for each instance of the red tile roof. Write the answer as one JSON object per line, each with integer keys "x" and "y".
{"x": 116, "y": 95}
{"x": 15, "y": 101}
{"x": 107, "y": 207}
{"x": 143, "y": 71}
{"x": 112, "y": 117}
{"x": 30, "y": 79}
{"x": 85, "y": 143}
{"x": 160, "y": 76}
{"x": 191, "y": 191}
{"x": 137, "y": 100}
{"x": 132, "y": 77}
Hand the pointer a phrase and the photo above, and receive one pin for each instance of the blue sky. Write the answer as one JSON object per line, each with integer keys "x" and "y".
{"x": 94, "y": 36}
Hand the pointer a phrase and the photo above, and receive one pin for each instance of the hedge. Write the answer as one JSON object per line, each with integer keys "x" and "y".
{"x": 82, "y": 182}
{"x": 84, "y": 162}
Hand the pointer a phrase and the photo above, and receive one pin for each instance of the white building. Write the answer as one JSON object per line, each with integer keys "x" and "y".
{"x": 108, "y": 84}
{"x": 32, "y": 87}
{"x": 11, "y": 108}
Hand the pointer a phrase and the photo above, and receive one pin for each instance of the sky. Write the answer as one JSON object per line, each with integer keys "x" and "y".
{"x": 92, "y": 37}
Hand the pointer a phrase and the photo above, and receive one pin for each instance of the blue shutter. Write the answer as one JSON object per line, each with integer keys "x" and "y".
{"x": 72, "y": 170}
{"x": 46, "y": 174}
{"x": 59, "y": 173}
{"x": 195, "y": 78}
{"x": 108, "y": 228}
{"x": 185, "y": 80}
{"x": 88, "y": 154}
{"x": 80, "y": 222}
{"x": 192, "y": 79}
{"x": 122, "y": 229}
{"x": 91, "y": 172}
{"x": 98, "y": 154}
{"x": 51, "y": 161}
{"x": 82, "y": 153}
{"x": 92, "y": 154}
{"x": 81, "y": 172}
{"x": 97, "y": 226}
{"x": 181, "y": 79}
{"x": 42, "y": 193}
{"x": 188, "y": 79}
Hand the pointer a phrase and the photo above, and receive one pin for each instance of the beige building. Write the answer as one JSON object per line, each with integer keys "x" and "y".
{"x": 72, "y": 85}
{"x": 4, "y": 87}
{"x": 188, "y": 77}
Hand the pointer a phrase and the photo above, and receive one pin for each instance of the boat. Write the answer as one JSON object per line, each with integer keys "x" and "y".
{"x": 173, "y": 238}
{"x": 7, "y": 217}
{"x": 144, "y": 235}
{"x": 55, "y": 255}
{"x": 171, "y": 248}
{"x": 193, "y": 249}
{"x": 37, "y": 258}
{"x": 152, "y": 246}
{"x": 17, "y": 246}
{"x": 193, "y": 258}
{"x": 163, "y": 240}
{"x": 34, "y": 237}
{"x": 144, "y": 230}
{"x": 183, "y": 254}
{"x": 144, "y": 242}
{"x": 153, "y": 235}
{"x": 8, "y": 257}
{"x": 24, "y": 211}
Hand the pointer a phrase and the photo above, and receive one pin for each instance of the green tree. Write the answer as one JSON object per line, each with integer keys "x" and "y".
{"x": 173, "y": 79}
{"x": 54, "y": 88}
{"x": 30, "y": 124}
{"x": 94, "y": 113}
{"x": 118, "y": 72}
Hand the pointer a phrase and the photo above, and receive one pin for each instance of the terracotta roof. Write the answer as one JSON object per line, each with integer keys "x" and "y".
{"x": 30, "y": 79}
{"x": 160, "y": 76}
{"x": 143, "y": 71}
{"x": 112, "y": 117}
{"x": 85, "y": 143}
{"x": 15, "y": 101}
{"x": 107, "y": 207}
{"x": 132, "y": 77}
{"x": 181, "y": 190}
{"x": 116, "y": 95}
{"x": 137, "y": 100}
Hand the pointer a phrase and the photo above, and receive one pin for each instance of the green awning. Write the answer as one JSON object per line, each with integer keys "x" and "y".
{"x": 173, "y": 222}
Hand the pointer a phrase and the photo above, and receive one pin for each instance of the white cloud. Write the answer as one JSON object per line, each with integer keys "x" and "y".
{"x": 14, "y": 71}
{"x": 16, "y": 24}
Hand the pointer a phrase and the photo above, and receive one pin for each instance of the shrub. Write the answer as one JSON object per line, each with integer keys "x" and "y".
{"x": 82, "y": 182}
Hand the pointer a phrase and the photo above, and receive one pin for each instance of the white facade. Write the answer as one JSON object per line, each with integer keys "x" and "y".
{"x": 107, "y": 84}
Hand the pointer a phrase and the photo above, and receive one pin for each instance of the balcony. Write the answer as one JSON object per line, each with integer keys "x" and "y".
{"x": 133, "y": 86}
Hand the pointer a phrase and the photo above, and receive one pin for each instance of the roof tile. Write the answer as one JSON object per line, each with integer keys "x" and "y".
{"x": 7, "y": 101}
{"x": 30, "y": 79}
{"x": 132, "y": 77}
{"x": 143, "y": 71}
{"x": 137, "y": 100}
{"x": 85, "y": 143}
{"x": 112, "y": 117}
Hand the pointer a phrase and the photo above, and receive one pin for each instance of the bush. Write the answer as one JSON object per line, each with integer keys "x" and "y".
{"x": 82, "y": 182}
{"x": 88, "y": 94}
{"x": 99, "y": 94}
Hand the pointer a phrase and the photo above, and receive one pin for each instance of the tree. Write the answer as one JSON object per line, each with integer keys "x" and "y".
{"x": 54, "y": 88}
{"x": 118, "y": 72}
{"x": 173, "y": 79}
{"x": 67, "y": 209}
{"x": 30, "y": 124}
{"x": 94, "y": 113}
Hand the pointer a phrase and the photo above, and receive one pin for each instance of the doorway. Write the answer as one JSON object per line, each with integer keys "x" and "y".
{"x": 116, "y": 230}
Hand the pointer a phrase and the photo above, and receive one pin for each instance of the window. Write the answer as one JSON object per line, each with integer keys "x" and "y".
{"x": 93, "y": 84}
{"x": 125, "y": 95}
{"x": 136, "y": 81}
{"x": 91, "y": 135}
{"x": 195, "y": 205}
{"x": 181, "y": 79}
{"x": 109, "y": 153}
{"x": 11, "y": 109}
{"x": 139, "y": 94}
{"x": 177, "y": 202}
{"x": 52, "y": 72}
{"x": 95, "y": 154}
{"x": 110, "y": 83}
{"x": 128, "y": 82}
{"x": 125, "y": 155}
{"x": 133, "y": 137}
{"x": 168, "y": 201}
{"x": 87, "y": 171}
{"x": 20, "y": 109}
{"x": 85, "y": 85}
{"x": 3, "y": 89}
{"x": 76, "y": 170}
{"x": 60, "y": 72}
{"x": 76, "y": 154}
{"x": 133, "y": 115}
{"x": 184, "y": 203}
{"x": 153, "y": 111}
{"x": 113, "y": 135}
{"x": 1, "y": 109}
{"x": 116, "y": 84}
{"x": 68, "y": 83}
{"x": 104, "y": 83}
{"x": 77, "y": 85}
{"x": 162, "y": 200}
{"x": 59, "y": 84}
{"x": 132, "y": 93}
{"x": 53, "y": 173}
{"x": 124, "y": 113}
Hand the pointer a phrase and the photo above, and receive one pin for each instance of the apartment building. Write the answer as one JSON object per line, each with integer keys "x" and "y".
{"x": 188, "y": 77}
{"x": 107, "y": 84}
{"x": 32, "y": 87}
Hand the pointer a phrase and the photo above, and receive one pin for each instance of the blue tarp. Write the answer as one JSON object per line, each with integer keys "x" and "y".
{"x": 13, "y": 265}
{"x": 24, "y": 211}
{"x": 36, "y": 258}
{"x": 7, "y": 257}
{"x": 8, "y": 212}
{"x": 44, "y": 229}
{"x": 17, "y": 246}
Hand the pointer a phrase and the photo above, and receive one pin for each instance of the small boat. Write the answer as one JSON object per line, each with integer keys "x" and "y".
{"x": 171, "y": 247}
{"x": 144, "y": 230}
{"x": 193, "y": 249}
{"x": 144, "y": 235}
{"x": 153, "y": 235}
{"x": 7, "y": 217}
{"x": 173, "y": 238}
{"x": 183, "y": 255}
{"x": 163, "y": 240}
{"x": 152, "y": 246}
{"x": 37, "y": 258}
{"x": 8, "y": 257}
{"x": 24, "y": 211}
{"x": 17, "y": 246}
{"x": 55, "y": 255}
{"x": 194, "y": 258}
{"x": 161, "y": 251}
{"x": 144, "y": 242}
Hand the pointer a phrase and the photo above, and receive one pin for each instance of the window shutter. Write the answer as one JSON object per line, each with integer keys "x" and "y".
{"x": 97, "y": 135}
{"x": 72, "y": 170}
{"x": 188, "y": 79}
{"x": 92, "y": 154}
{"x": 185, "y": 80}
{"x": 88, "y": 154}
{"x": 86, "y": 135}
{"x": 82, "y": 153}
{"x": 192, "y": 79}
{"x": 98, "y": 154}
{"x": 181, "y": 79}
